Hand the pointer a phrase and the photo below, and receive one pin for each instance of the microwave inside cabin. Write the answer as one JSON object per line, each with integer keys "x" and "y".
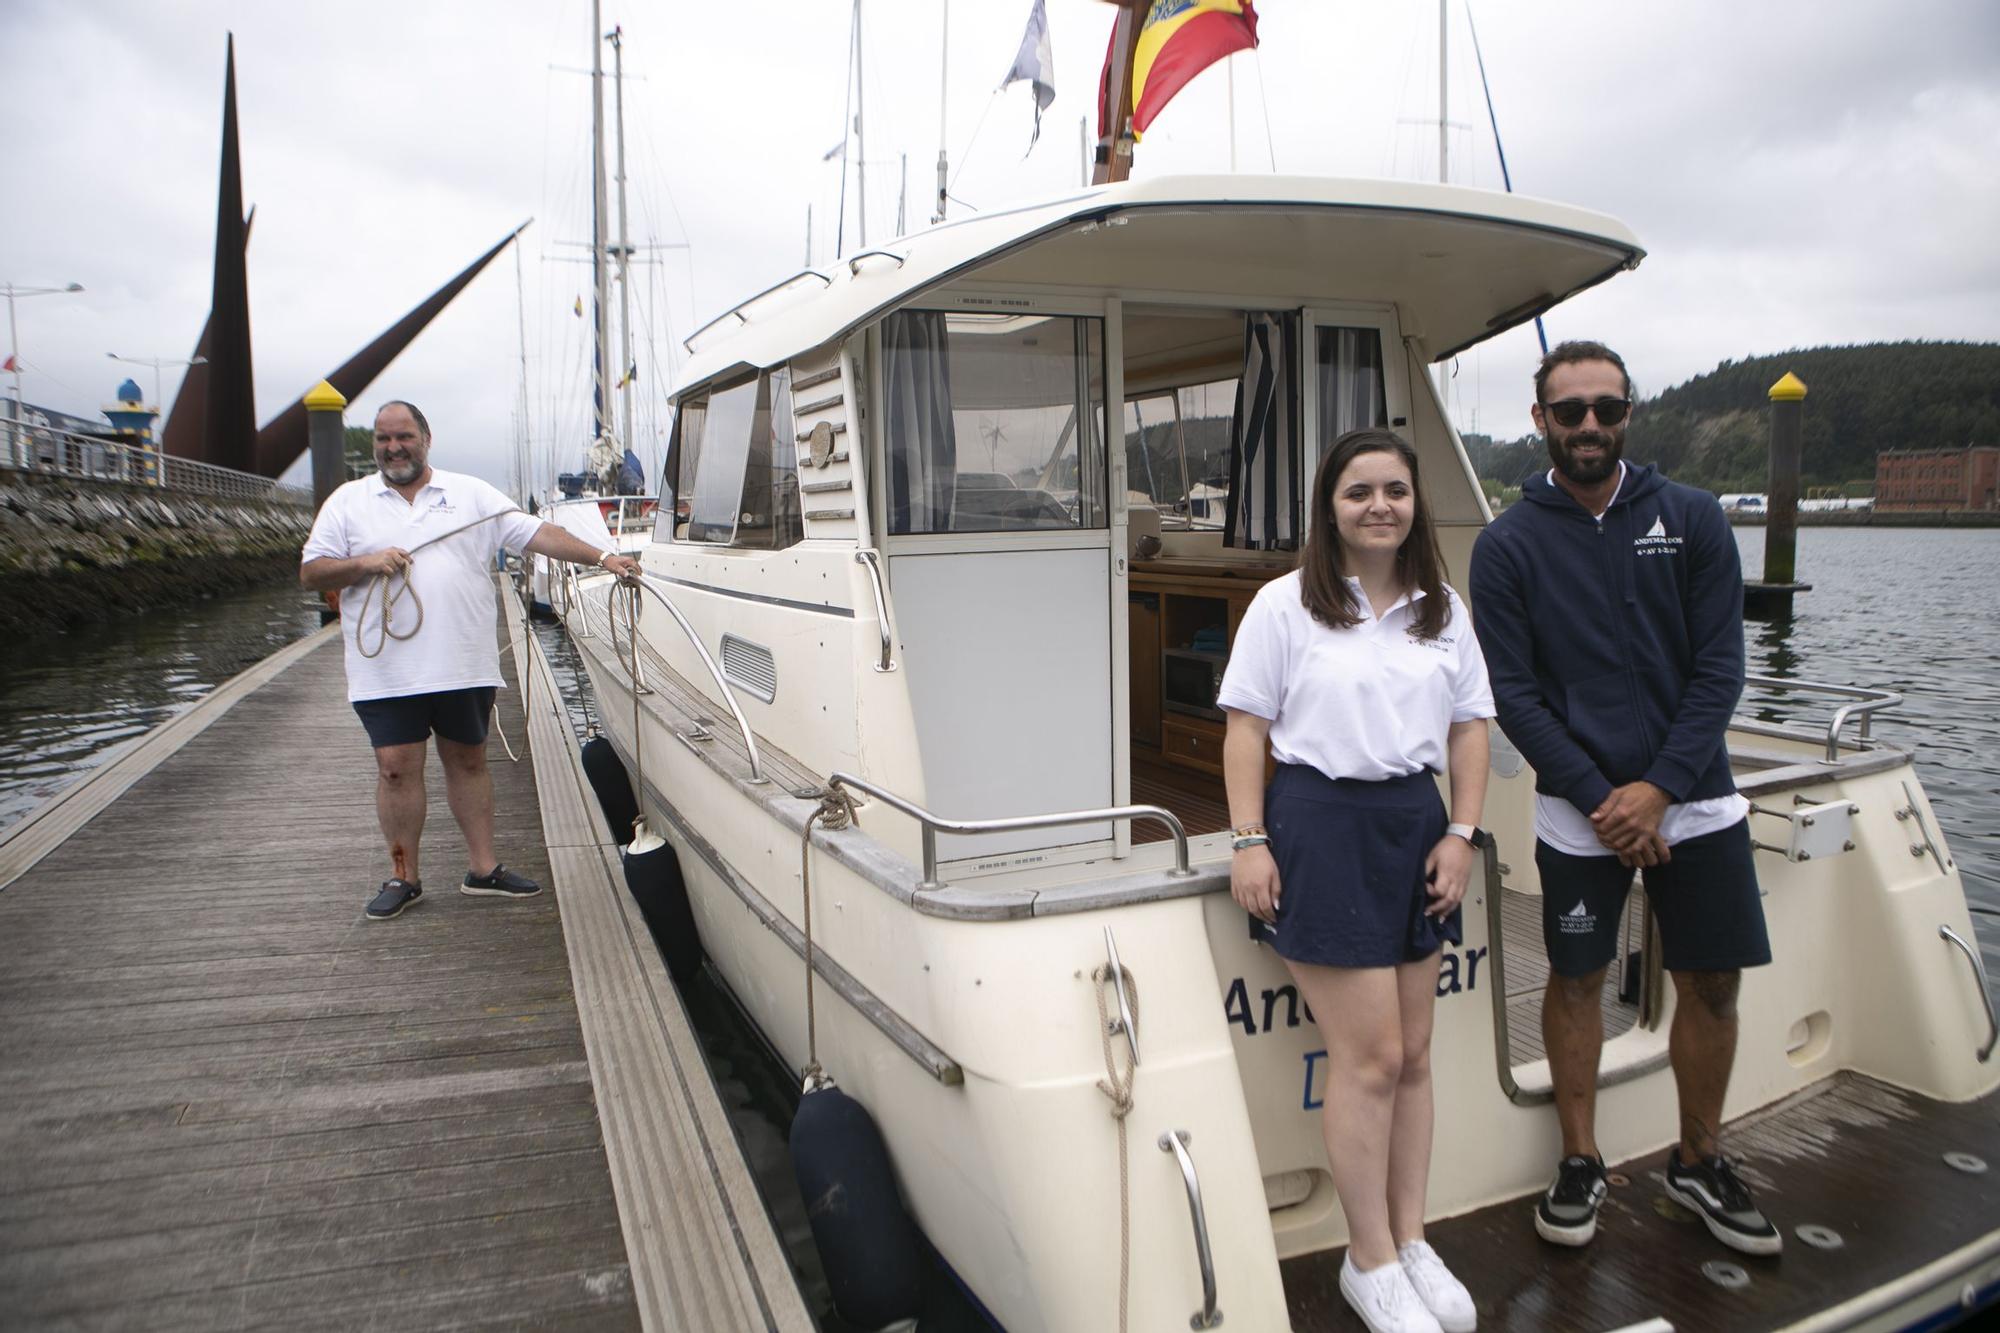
{"x": 1190, "y": 679}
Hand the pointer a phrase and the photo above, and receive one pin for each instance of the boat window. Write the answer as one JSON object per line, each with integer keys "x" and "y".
{"x": 715, "y": 466}
{"x": 737, "y": 467}
{"x": 1352, "y": 395}
{"x": 1177, "y": 454}
{"x": 994, "y": 422}
{"x": 770, "y": 517}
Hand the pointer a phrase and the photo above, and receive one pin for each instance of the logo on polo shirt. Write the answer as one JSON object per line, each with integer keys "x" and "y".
{"x": 443, "y": 505}
{"x": 1577, "y": 921}
{"x": 1657, "y": 541}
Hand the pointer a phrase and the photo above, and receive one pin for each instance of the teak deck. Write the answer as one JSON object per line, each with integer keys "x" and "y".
{"x": 231, "y": 1101}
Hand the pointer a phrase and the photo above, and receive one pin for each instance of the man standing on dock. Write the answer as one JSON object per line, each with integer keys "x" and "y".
{"x": 1609, "y": 605}
{"x": 418, "y": 665}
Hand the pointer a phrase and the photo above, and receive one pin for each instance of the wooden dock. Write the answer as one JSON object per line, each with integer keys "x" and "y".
{"x": 231, "y": 1100}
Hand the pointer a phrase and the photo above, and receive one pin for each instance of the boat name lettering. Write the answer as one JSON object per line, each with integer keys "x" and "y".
{"x": 1458, "y": 973}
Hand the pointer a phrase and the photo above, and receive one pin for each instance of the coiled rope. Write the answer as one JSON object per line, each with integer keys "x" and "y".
{"x": 835, "y": 812}
{"x": 380, "y": 584}
{"x": 1118, "y": 1087}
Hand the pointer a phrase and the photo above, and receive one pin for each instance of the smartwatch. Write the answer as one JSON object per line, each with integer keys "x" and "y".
{"x": 1478, "y": 837}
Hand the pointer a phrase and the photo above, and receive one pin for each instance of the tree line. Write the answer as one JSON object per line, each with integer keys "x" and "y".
{"x": 1714, "y": 430}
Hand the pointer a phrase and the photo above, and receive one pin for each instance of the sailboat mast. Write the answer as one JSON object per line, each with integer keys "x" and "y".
{"x": 600, "y": 313}
{"x": 523, "y": 478}
{"x": 625, "y": 365}
{"x": 1444, "y": 102}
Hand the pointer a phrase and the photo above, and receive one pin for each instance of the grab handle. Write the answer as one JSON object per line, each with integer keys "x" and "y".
{"x": 1175, "y": 1141}
{"x": 1985, "y": 989}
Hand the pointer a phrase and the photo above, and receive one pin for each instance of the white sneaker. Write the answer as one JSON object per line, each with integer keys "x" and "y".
{"x": 1442, "y": 1294}
{"x": 1384, "y": 1299}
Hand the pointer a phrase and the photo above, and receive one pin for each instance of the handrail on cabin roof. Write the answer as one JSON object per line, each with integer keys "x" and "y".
{"x": 687, "y": 343}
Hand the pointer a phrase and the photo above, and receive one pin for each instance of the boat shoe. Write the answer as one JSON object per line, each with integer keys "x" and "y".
{"x": 1712, "y": 1189}
{"x": 395, "y": 895}
{"x": 499, "y": 882}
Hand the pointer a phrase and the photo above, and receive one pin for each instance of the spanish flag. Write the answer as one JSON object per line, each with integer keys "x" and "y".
{"x": 1178, "y": 40}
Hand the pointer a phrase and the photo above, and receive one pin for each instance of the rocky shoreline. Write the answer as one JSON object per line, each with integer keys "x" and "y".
{"x": 73, "y": 553}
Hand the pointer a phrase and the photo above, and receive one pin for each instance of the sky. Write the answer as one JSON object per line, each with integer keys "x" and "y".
{"x": 1799, "y": 173}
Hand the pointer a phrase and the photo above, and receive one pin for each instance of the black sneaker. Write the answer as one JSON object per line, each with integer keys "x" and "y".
{"x": 396, "y": 894}
{"x": 1712, "y": 1188}
{"x": 1567, "y": 1214}
{"x": 499, "y": 883}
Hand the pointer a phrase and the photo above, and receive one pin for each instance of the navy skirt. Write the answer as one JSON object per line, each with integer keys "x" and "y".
{"x": 1350, "y": 854}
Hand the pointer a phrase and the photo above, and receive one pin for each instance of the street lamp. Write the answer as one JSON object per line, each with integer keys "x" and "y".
{"x": 14, "y": 345}
{"x": 159, "y": 400}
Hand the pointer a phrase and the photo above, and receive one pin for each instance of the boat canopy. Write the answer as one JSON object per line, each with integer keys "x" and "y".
{"x": 1460, "y": 264}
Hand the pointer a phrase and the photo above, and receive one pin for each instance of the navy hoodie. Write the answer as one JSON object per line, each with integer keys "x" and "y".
{"x": 1615, "y": 647}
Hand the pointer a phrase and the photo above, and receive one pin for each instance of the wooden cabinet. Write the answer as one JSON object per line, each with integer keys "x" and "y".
{"x": 1192, "y": 742}
{"x": 1184, "y": 604}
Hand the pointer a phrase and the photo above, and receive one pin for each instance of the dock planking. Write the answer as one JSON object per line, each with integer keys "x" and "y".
{"x": 232, "y": 1100}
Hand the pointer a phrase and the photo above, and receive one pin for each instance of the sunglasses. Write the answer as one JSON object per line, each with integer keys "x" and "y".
{"x": 1569, "y": 412}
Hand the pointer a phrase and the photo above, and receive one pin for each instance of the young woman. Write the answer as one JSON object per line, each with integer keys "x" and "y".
{"x": 1361, "y": 673}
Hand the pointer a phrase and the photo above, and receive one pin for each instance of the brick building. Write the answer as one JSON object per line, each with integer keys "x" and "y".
{"x": 1914, "y": 479}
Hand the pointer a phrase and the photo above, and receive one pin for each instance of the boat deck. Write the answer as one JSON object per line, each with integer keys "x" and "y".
{"x": 1859, "y": 1157}
{"x": 233, "y": 1101}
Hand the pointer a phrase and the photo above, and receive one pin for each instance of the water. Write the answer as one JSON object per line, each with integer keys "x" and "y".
{"x": 1910, "y": 610}
{"x": 69, "y": 700}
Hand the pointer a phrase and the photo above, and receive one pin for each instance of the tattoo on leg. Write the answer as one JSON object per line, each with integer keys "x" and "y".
{"x": 1697, "y": 1136}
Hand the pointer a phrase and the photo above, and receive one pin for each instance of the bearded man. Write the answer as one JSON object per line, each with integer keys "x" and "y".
{"x": 1609, "y": 606}
{"x": 426, "y": 539}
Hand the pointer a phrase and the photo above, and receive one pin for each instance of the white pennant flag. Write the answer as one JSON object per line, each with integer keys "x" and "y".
{"x": 1035, "y": 64}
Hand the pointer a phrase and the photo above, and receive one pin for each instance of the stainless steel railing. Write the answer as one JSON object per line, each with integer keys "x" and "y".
{"x": 1866, "y": 703}
{"x": 933, "y": 825}
{"x": 723, "y": 690}
{"x": 40, "y": 449}
{"x": 872, "y": 560}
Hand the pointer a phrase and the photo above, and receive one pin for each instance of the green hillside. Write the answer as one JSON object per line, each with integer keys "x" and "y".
{"x": 1714, "y": 430}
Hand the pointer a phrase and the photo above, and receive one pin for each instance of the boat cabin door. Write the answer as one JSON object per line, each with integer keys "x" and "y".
{"x": 1006, "y": 558}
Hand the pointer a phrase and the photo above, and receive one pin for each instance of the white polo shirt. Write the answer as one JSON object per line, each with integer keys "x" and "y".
{"x": 1371, "y": 701}
{"x": 457, "y": 647}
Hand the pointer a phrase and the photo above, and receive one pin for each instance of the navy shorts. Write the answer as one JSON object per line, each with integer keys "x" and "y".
{"x": 456, "y": 715}
{"x": 1350, "y": 854}
{"x": 1705, "y": 899}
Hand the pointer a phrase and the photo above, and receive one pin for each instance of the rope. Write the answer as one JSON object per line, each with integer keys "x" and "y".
{"x": 630, "y": 598}
{"x": 1119, "y": 1089}
{"x": 835, "y": 812}
{"x": 380, "y": 583}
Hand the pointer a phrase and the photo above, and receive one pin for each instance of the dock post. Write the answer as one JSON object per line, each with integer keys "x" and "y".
{"x": 325, "y": 439}
{"x": 1781, "y": 525}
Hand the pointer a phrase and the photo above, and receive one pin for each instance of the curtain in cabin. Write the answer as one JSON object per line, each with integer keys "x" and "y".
{"x": 1264, "y": 483}
{"x": 922, "y": 445}
{"x": 1351, "y": 393}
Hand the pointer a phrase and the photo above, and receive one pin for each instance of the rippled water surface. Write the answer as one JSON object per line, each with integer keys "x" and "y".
{"x": 69, "y": 700}
{"x": 1912, "y": 610}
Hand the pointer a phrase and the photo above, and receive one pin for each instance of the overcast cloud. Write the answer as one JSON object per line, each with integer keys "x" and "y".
{"x": 1799, "y": 173}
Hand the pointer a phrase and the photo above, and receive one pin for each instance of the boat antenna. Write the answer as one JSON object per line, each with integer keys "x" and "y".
{"x": 1444, "y": 99}
{"x": 860, "y": 135}
{"x": 846, "y": 135}
{"x": 944, "y": 66}
{"x": 1506, "y": 177}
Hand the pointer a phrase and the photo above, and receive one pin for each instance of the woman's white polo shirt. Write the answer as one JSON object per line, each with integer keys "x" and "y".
{"x": 1370, "y": 701}
{"x": 458, "y": 646}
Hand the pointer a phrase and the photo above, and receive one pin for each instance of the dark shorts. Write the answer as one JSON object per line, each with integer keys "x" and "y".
{"x": 456, "y": 715}
{"x": 1705, "y": 899}
{"x": 1350, "y": 854}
